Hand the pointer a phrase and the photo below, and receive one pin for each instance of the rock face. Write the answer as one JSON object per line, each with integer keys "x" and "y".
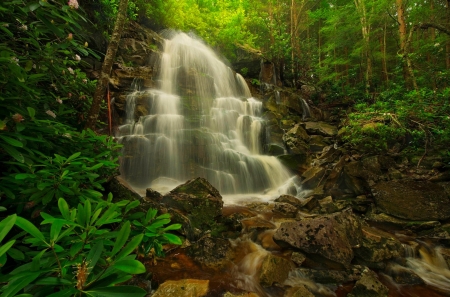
{"x": 330, "y": 236}
{"x": 198, "y": 200}
{"x": 183, "y": 288}
{"x": 412, "y": 200}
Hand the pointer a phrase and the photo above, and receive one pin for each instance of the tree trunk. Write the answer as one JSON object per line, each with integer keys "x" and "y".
{"x": 107, "y": 65}
{"x": 402, "y": 31}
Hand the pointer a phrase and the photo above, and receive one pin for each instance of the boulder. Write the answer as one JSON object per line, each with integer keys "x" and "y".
{"x": 285, "y": 209}
{"x": 300, "y": 291}
{"x": 412, "y": 200}
{"x": 296, "y": 140}
{"x": 274, "y": 269}
{"x": 369, "y": 286}
{"x": 121, "y": 190}
{"x": 329, "y": 276}
{"x": 330, "y": 236}
{"x": 183, "y": 288}
{"x": 378, "y": 246}
{"x": 212, "y": 252}
{"x": 198, "y": 200}
{"x": 321, "y": 128}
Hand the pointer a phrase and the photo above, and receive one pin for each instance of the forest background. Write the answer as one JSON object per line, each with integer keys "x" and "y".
{"x": 386, "y": 63}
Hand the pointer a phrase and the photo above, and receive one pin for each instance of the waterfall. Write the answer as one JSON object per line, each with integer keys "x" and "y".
{"x": 200, "y": 121}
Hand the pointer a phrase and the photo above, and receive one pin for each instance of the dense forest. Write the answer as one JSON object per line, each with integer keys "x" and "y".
{"x": 386, "y": 64}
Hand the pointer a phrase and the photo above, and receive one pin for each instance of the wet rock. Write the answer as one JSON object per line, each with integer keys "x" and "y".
{"x": 121, "y": 190}
{"x": 300, "y": 291}
{"x": 285, "y": 209}
{"x": 390, "y": 221}
{"x": 274, "y": 149}
{"x": 183, "y": 288}
{"x": 153, "y": 195}
{"x": 198, "y": 200}
{"x": 274, "y": 269}
{"x": 412, "y": 200}
{"x": 378, "y": 246}
{"x": 292, "y": 200}
{"x": 317, "y": 143}
{"x": 256, "y": 223}
{"x": 298, "y": 258}
{"x": 312, "y": 177}
{"x": 298, "y": 163}
{"x": 310, "y": 203}
{"x": 321, "y": 128}
{"x": 212, "y": 252}
{"x": 249, "y": 294}
{"x": 329, "y": 276}
{"x": 369, "y": 286}
{"x": 296, "y": 140}
{"x": 404, "y": 276}
{"x": 330, "y": 236}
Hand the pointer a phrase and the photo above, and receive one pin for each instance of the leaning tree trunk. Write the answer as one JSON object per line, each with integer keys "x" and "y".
{"x": 107, "y": 65}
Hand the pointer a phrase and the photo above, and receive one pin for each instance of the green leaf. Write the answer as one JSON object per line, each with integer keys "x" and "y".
{"x": 30, "y": 228}
{"x": 173, "y": 239}
{"x": 172, "y": 227}
{"x": 122, "y": 238}
{"x": 13, "y": 152}
{"x": 18, "y": 283}
{"x": 31, "y": 112}
{"x": 94, "y": 254}
{"x": 75, "y": 248}
{"x": 24, "y": 176}
{"x": 11, "y": 141}
{"x": 130, "y": 247}
{"x": 53, "y": 281}
{"x": 65, "y": 293}
{"x": 55, "y": 229}
{"x": 81, "y": 215}
{"x": 64, "y": 208}
{"x": 132, "y": 205}
{"x": 151, "y": 213}
{"x": 6, "y": 225}
{"x": 74, "y": 156}
{"x": 158, "y": 224}
{"x": 117, "y": 291}
{"x": 130, "y": 266}
{"x": 4, "y": 248}
{"x": 16, "y": 254}
{"x": 65, "y": 189}
{"x": 87, "y": 211}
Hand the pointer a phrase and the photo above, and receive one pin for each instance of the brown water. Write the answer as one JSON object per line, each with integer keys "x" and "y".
{"x": 240, "y": 274}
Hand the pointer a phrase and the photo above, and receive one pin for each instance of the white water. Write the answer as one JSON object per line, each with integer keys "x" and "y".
{"x": 201, "y": 121}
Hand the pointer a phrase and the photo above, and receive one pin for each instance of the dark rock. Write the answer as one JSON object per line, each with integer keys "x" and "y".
{"x": 285, "y": 209}
{"x": 378, "y": 246}
{"x": 330, "y": 236}
{"x": 152, "y": 194}
{"x": 298, "y": 163}
{"x": 329, "y": 276}
{"x": 412, "y": 200}
{"x": 321, "y": 128}
{"x": 212, "y": 252}
{"x": 404, "y": 276}
{"x": 121, "y": 190}
{"x": 274, "y": 269}
{"x": 257, "y": 223}
{"x": 292, "y": 200}
{"x": 312, "y": 177}
{"x": 296, "y": 140}
{"x": 390, "y": 221}
{"x": 198, "y": 200}
{"x": 369, "y": 286}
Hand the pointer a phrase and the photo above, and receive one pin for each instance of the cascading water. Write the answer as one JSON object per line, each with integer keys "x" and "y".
{"x": 201, "y": 121}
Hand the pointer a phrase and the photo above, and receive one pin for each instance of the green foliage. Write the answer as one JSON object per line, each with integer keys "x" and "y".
{"x": 93, "y": 242}
{"x": 155, "y": 233}
{"x": 400, "y": 118}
